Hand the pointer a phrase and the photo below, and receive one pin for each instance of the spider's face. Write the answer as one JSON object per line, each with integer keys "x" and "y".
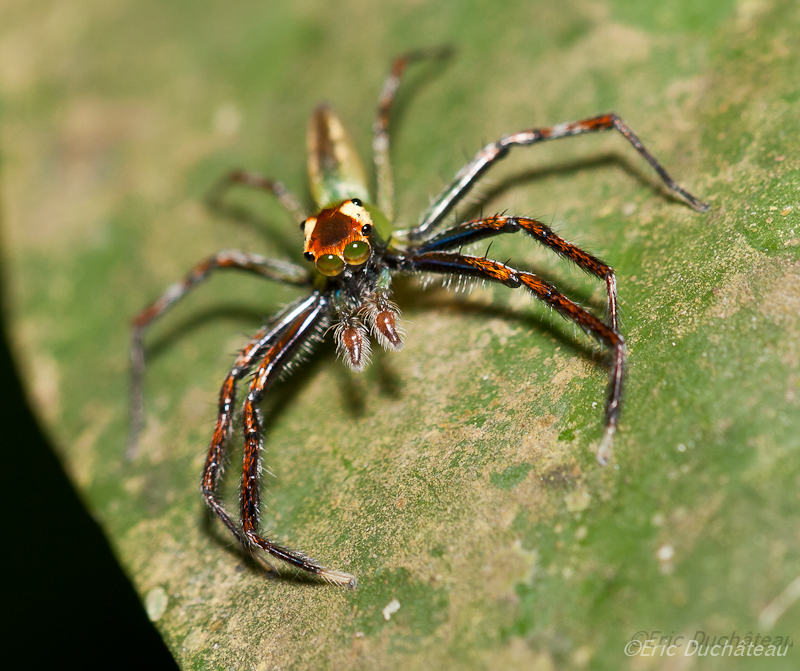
{"x": 337, "y": 237}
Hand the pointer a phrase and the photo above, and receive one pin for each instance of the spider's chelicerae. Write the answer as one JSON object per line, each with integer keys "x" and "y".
{"x": 355, "y": 253}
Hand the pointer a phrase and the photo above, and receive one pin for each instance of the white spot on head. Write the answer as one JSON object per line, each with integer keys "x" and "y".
{"x": 350, "y": 209}
{"x": 308, "y": 228}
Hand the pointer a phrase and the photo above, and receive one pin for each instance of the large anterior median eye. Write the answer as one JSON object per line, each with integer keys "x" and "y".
{"x": 330, "y": 265}
{"x": 357, "y": 252}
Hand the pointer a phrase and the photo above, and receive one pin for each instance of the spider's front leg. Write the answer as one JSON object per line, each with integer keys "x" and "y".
{"x": 479, "y": 229}
{"x": 255, "y": 349}
{"x": 303, "y": 327}
{"x": 272, "y": 269}
{"x": 490, "y": 154}
{"x": 494, "y": 271}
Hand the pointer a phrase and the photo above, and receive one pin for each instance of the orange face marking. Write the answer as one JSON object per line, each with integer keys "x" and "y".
{"x": 337, "y": 237}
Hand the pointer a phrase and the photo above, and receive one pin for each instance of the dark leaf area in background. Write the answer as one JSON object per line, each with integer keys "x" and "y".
{"x": 65, "y": 597}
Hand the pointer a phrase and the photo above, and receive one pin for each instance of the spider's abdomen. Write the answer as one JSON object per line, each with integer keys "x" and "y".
{"x": 335, "y": 170}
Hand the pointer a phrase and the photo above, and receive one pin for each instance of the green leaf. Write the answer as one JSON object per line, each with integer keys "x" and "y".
{"x": 458, "y": 476}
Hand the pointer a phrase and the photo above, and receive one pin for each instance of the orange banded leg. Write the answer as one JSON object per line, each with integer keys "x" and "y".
{"x": 487, "y": 269}
{"x": 380, "y": 141}
{"x": 272, "y": 269}
{"x": 479, "y": 229}
{"x": 253, "y": 179}
{"x": 252, "y": 352}
{"x": 301, "y": 329}
{"x": 491, "y": 153}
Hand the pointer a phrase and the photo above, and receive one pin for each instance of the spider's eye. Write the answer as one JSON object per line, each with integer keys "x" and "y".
{"x": 330, "y": 265}
{"x": 366, "y": 229}
{"x": 308, "y": 256}
{"x": 357, "y": 252}
{"x": 357, "y": 201}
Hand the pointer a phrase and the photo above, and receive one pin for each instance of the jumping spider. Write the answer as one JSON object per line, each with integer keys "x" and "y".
{"x": 355, "y": 252}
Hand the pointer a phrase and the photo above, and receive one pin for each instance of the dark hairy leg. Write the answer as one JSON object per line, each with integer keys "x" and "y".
{"x": 256, "y": 348}
{"x": 299, "y": 331}
{"x": 480, "y": 229}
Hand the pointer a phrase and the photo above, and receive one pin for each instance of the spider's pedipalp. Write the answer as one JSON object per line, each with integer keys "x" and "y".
{"x": 383, "y": 317}
{"x": 387, "y": 330}
{"x": 352, "y": 343}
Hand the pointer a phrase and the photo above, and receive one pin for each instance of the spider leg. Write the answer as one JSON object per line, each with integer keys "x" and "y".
{"x": 491, "y": 153}
{"x": 479, "y": 229}
{"x": 380, "y": 128}
{"x": 273, "y": 269}
{"x": 252, "y": 351}
{"x": 487, "y": 269}
{"x": 257, "y": 181}
{"x": 298, "y": 331}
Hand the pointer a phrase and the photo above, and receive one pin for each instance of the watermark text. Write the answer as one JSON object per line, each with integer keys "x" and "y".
{"x": 662, "y": 644}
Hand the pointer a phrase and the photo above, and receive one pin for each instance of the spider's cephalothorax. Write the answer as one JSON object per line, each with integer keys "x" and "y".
{"x": 339, "y": 241}
{"x": 353, "y": 253}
